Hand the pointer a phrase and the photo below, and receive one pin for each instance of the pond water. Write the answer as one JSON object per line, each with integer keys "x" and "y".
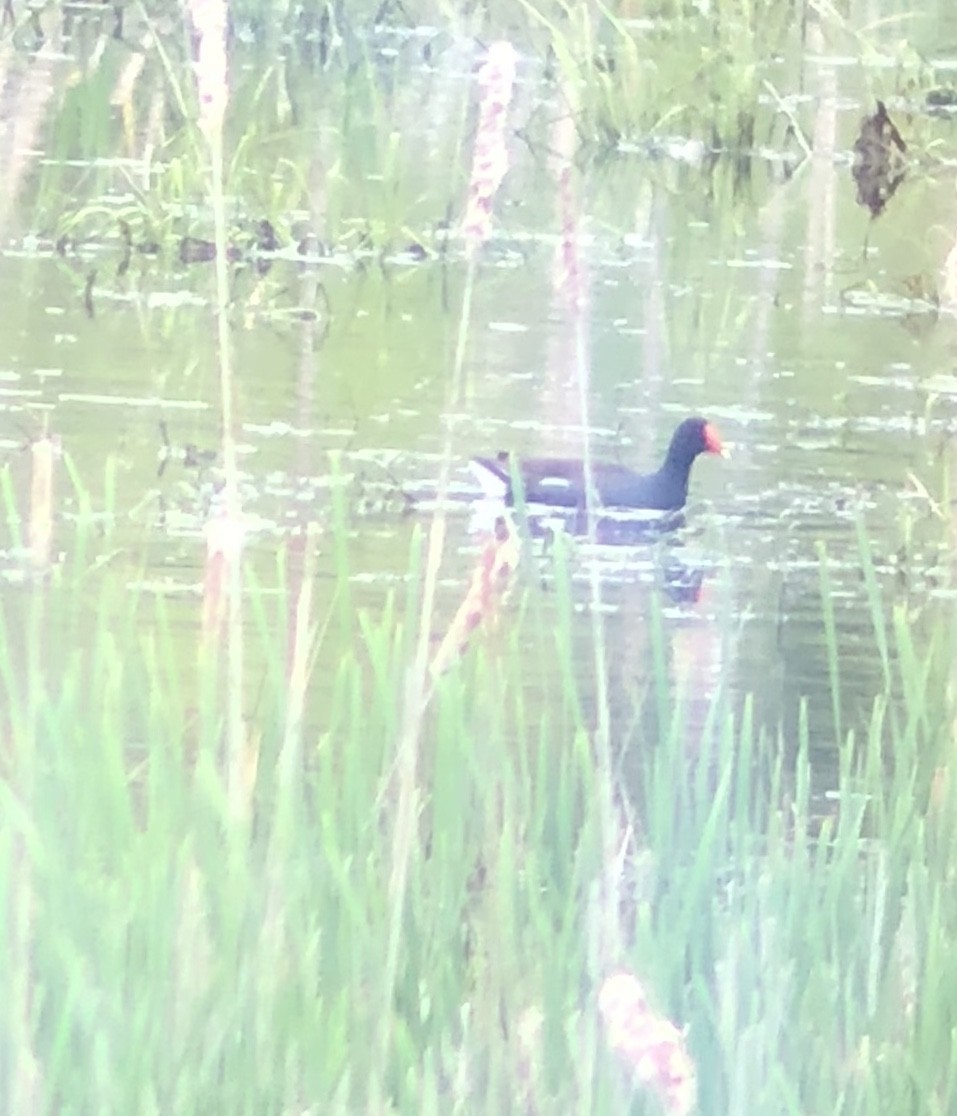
{"x": 752, "y": 288}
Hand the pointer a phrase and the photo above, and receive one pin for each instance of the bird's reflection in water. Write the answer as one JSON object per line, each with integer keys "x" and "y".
{"x": 654, "y": 533}
{"x": 682, "y": 582}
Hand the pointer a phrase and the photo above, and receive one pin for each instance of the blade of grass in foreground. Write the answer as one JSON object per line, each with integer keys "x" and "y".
{"x": 209, "y": 18}
{"x": 830, "y": 638}
{"x": 496, "y": 79}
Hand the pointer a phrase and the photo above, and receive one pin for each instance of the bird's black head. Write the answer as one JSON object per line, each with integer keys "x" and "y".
{"x": 691, "y": 437}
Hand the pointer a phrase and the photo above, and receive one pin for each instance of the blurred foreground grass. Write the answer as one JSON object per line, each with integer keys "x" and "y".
{"x": 167, "y": 953}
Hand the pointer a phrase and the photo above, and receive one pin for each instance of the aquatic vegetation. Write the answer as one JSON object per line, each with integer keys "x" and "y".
{"x": 679, "y": 72}
{"x": 215, "y": 961}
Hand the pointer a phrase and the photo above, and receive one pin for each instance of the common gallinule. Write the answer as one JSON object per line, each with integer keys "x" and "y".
{"x": 560, "y": 482}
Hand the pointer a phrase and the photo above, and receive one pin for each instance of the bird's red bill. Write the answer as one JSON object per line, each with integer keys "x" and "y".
{"x": 712, "y": 440}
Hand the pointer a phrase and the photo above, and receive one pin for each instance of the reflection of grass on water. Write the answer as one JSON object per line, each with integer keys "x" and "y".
{"x": 167, "y": 953}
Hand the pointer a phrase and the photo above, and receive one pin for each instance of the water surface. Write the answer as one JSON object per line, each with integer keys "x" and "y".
{"x": 748, "y": 286}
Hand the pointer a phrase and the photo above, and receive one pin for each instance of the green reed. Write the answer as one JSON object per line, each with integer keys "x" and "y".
{"x": 167, "y": 957}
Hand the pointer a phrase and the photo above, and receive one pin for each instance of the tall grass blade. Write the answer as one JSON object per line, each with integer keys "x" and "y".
{"x": 830, "y": 640}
